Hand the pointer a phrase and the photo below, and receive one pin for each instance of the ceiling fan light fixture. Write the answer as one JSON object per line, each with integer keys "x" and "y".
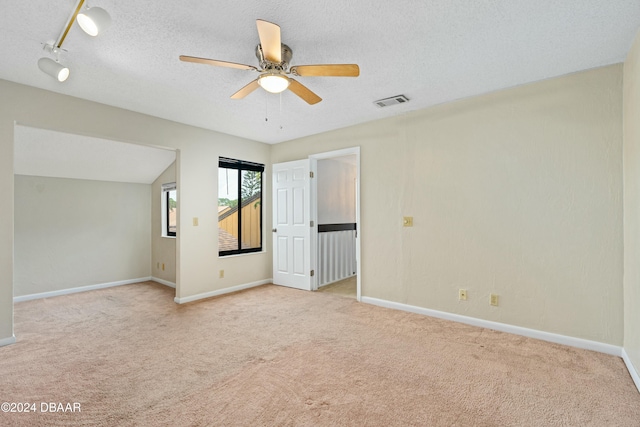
{"x": 54, "y": 69}
{"x": 274, "y": 83}
{"x": 94, "y": 20}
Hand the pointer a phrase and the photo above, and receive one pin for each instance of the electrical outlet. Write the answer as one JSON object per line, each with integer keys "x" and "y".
{"x": 195, "y": 221}
{"x": 462, "y": 294}
{"x": 493, "y": 299}
{"x": 222, "y": 274}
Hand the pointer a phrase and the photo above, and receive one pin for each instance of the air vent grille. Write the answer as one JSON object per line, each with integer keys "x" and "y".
{"x": 398, "y": 99}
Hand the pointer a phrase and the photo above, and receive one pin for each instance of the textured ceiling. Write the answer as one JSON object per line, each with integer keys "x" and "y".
{"x": 41, "y": 152}
{"x": 433, "y": 51}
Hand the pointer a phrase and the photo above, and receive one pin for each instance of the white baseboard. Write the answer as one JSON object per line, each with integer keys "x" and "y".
{"x": 79, "y": 289}
{"x": 632, "y": 369}
{"x": 221, "y": 291}
{"x": 502, "y": 327}
{"x": 7, "y": 341}
{"x": 164, "y": 282}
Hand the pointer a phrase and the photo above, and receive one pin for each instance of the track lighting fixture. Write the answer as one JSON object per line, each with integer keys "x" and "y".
{"x": 92, "y": 21}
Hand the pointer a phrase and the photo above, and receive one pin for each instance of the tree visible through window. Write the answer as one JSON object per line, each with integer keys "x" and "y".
{"x": 239, "y": 206}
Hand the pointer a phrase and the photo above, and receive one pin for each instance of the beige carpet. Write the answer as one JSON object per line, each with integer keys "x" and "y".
{"x": 275, "y": 356}
{"x": 346, "y": 288}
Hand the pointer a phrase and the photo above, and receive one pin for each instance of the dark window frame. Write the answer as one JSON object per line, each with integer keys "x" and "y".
{"x": 167, "y": 208}
{"x": 240, "y": 166}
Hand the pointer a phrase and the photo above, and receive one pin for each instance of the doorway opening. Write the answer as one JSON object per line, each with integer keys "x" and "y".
{"x": 316, "y": 239}
{"x": 88, "y": 213}
{"x": 335, "y": 206}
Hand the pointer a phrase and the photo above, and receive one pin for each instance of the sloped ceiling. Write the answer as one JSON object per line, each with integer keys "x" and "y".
{"x": 41, "y": 152}
{"x": 433, "y": 51}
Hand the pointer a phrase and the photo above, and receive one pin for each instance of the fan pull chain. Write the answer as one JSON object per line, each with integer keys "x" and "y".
{"x": 280, "y": 110}
{"x": 266, "y": 108}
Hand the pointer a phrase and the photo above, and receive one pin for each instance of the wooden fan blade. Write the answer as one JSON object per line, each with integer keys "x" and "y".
{"x": 246, "y": 90}
{"x": 327, "y": 70}
{"x": 303, "y": 92}
{"x": 216, "y": 63}
{"x": 269, "y": 34}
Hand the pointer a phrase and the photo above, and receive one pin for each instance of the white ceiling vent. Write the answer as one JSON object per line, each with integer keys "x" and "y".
{"x": 398, "y": 99}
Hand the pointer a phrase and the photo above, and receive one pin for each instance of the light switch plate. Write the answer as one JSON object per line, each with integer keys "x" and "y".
{"x": 493, "y": 299}
{"x": 195, "y": 221}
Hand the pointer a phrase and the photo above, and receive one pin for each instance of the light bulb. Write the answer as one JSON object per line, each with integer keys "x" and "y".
{"x": 94, "y": 20}
{"x": 54, "y": 69}
{"x": 274, "y": 83}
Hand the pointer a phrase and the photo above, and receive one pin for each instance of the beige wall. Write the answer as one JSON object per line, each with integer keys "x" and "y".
{"x": 6, "y": 223}
{"x": 631, "y": 107}
{"x": 163, "y": 249}
{"x": 517, "y": 192}
{"x": 336, "y": 192}
{"x": 71, "y": 233}
{"x": 199, "y": 149}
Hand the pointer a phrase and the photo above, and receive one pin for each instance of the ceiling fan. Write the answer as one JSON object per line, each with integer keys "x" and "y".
{"x": 274, "y": 58}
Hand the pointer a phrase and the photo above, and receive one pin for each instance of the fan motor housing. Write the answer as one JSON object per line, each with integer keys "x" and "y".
{"x": 286, "y": 54}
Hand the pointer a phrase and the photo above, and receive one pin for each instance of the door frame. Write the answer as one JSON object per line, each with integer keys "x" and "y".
{"x": 314, "y": 213}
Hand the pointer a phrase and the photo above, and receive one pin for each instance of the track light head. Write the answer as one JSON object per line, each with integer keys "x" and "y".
{"x": 54, "y": 69}
{"x": 94, "y": 20}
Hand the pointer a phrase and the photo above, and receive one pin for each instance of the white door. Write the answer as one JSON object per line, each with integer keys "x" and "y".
{"x": 292, "y": 224}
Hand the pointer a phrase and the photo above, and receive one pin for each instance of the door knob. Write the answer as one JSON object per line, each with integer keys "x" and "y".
{"x": 275, "y": 230}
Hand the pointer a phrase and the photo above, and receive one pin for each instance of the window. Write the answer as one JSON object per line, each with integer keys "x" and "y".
{"x": 169, "y": 209}
{"x": 239, "y": 206}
